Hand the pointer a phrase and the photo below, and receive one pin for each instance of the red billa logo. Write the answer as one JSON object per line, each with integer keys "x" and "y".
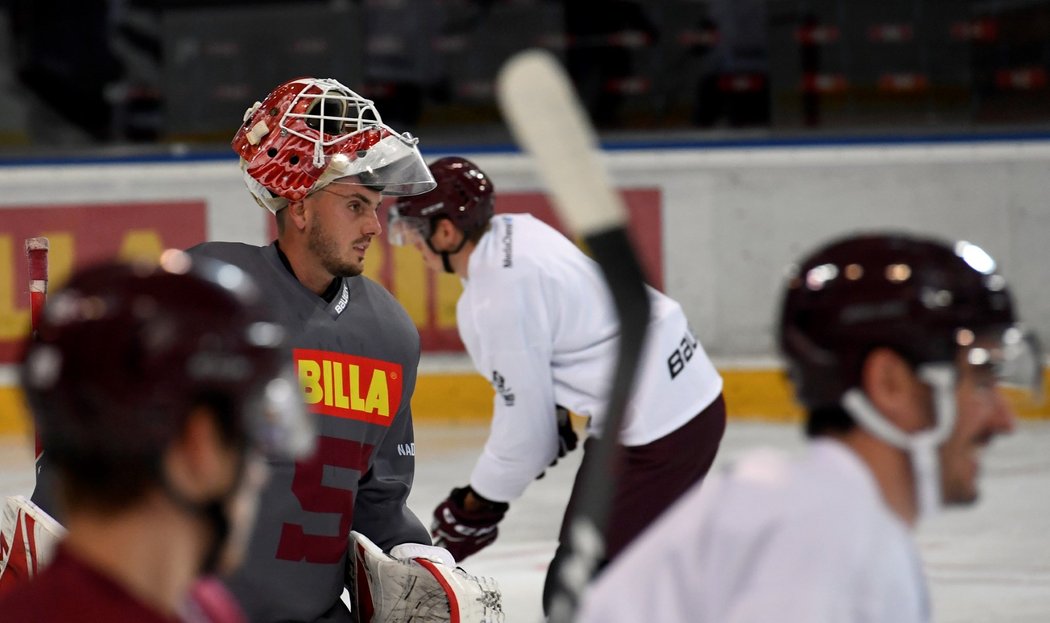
{"x": 347, "y": 386}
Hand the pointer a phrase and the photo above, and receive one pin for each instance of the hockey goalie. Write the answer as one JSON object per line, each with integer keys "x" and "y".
{"x": 417, "y": 584}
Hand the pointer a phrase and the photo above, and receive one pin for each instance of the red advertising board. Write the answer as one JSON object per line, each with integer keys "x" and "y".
{"x": 84, "y": 233}
{"x": 80, "y": 234}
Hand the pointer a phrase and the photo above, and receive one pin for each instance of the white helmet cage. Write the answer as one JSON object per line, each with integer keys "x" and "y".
{"x": 349, "y": 144}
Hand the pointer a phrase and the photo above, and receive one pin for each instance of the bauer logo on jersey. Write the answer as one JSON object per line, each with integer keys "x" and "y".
{"x": 508, "y": 243}
{"x": 502, "y": 388}
{"x": 356, "y": 388}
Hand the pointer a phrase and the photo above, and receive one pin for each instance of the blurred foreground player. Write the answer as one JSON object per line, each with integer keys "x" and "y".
{"x": 157, "y": 390}
{"x": 319, "y": 157}
{"x": 538, "y": 321}
{"x": 897, "y": 346}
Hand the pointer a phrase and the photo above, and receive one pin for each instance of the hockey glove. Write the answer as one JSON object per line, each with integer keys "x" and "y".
{"x": 386, "y": 588}
{"x": 465, "y": 532}
{"x": 567, "y": 439}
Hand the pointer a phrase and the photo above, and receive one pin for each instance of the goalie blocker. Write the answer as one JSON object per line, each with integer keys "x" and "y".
{"x": 411, "y": 588}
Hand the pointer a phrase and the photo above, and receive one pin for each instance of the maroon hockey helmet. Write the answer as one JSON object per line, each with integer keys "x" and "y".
{"x": 311, "y": 132}
{"x": 125, "y": 351}
{"x": 922, "y": 298}
{"x": 464, "y": 195}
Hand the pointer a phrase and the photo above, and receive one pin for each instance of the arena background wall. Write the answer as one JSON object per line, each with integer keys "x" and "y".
{"x": 716, "y": 228}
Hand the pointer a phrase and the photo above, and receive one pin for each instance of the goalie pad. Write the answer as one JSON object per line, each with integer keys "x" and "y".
{"x": 28, "y": 537}
{"x": 384, "y": 589}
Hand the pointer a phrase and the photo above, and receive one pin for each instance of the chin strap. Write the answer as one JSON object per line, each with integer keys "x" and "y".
{"x": 445, "y": 255}
{"x": 921, "y": 446}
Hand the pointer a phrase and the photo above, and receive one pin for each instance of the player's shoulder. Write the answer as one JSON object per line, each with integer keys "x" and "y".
{"x": 237, "y": 253}
{"x": 373, "y": 289}
{"x": 779, "y": 482}
{"x": 33, "y": 602}
{"x": 385, "y": 303}
{"x": 516, "y": 248}
{"x": 824, "y": 486}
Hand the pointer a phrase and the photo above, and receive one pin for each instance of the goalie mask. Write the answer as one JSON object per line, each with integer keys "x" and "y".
{"x": 125, "y": 351}
{"x": 938, "y": 305}
{"x": 309, "y": 133}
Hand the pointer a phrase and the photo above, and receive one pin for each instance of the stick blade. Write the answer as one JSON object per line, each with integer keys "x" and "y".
{"x": 546, "y": 118}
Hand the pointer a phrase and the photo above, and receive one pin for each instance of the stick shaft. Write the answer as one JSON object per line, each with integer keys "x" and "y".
{"x": 548, "y": 121}
{"x": 37, "y": 259}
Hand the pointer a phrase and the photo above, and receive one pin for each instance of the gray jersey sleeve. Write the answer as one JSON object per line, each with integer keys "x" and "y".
{"x": 381, "y": 512}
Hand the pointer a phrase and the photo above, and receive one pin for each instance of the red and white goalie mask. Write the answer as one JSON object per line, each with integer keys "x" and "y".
{"x": 310, "y": 132}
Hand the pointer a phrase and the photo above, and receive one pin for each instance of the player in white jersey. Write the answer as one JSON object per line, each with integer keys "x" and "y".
{"x": 538, "y": 321}
{"x": 896, "y": 346}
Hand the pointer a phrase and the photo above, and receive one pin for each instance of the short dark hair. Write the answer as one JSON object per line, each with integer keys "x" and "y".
{"x": 110, "y": 482}
{"x": 830, "y": 420}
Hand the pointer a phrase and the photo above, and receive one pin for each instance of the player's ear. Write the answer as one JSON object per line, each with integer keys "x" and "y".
{"x": 297, "y": 214}
{"x": 893, "y": 387}
{"x": 442, "y": 229}
{"x": 446, "y": 233}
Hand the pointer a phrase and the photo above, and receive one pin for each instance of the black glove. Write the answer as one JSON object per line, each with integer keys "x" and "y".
{"x": 465, "y": 532}
{"x": 567, "y": 438}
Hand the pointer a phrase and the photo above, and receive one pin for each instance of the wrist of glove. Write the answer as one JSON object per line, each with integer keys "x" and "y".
{"x": 411, "y": 551}
{"x": 464, "y": 532}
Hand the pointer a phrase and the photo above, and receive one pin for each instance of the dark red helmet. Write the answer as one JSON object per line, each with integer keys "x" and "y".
{"x": 124, "y": 352}
{"x": 311, "y": 132}
{"x": 464, "y": 194}
{"x": 921, "y": 298}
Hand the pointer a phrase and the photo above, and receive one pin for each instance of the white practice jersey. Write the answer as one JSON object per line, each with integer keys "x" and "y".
{"x": 538, "y": 320}
{"x": 770, "y": 540}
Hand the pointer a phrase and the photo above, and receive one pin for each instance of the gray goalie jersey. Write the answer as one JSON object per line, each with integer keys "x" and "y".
{"x": 356, "y": 359}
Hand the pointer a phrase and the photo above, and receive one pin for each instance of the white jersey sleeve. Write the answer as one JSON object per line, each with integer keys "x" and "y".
{"x": 506, "y": 333}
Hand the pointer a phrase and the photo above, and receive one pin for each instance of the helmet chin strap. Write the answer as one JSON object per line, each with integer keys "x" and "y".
{"x": 921, "y": 446}
{"x": 446, "y": 263}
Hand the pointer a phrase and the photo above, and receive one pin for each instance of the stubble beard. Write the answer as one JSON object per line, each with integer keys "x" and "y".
{"x": 326, "y": 249}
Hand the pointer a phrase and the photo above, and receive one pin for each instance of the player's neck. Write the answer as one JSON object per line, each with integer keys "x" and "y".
{"x": 304, "y": 266}
{"x": 152, "y": 552}
{"x": 892, "y": 472}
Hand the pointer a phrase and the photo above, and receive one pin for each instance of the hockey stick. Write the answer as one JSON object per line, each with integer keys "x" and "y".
{"x": 36, "y": 256}
{"x": 28, "y": 535}
{"x": 549, "y": 123}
